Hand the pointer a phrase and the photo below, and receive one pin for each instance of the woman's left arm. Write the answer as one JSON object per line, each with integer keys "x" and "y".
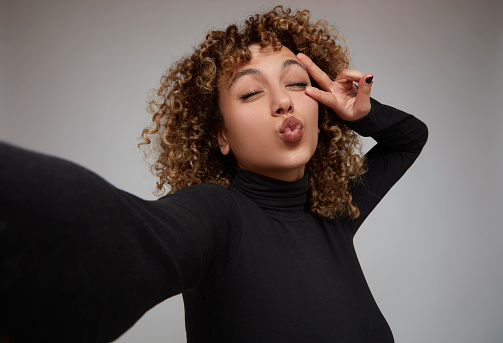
{"x": 400, "y": 136}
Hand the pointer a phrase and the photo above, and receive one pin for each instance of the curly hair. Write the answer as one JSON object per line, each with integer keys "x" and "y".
{"x": 186, "y": 116}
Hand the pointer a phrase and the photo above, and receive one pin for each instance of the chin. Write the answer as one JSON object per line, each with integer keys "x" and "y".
{"x": 298, "y": 158}
{"x": 294, "y": 164}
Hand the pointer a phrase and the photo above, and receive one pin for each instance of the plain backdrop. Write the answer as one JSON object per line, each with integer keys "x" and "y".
{"x": 73, "y": 82}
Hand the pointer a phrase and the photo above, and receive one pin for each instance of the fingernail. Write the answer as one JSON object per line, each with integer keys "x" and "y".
{"x": 369, "y": 79}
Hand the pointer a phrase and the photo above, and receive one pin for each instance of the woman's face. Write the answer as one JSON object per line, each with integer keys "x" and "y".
{"x": 270, "y": 123}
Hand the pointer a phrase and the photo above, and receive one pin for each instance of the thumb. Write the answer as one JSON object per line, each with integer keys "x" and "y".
{"x": 362, "y": 104}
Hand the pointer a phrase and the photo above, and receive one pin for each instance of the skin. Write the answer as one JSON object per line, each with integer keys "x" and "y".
{"x": 273, "y": 86}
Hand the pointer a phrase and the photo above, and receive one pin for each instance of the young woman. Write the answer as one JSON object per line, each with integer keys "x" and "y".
{"x": 255, "y": 139}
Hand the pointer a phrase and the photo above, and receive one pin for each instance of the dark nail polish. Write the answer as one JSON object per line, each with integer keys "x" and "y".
{"x": 369, "y": 79}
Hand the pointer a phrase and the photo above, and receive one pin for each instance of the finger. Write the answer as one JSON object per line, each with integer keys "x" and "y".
{"x": 325, "y": 98}
{"x": 316, "y": 73}
{"x": 349, "y": 74}
{"x": 362, "y": 103}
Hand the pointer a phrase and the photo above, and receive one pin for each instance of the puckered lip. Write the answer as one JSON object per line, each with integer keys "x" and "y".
{"x": 291, "y": 124}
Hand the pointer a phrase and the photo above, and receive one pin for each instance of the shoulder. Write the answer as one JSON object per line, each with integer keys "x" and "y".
{"x": 209, "y": 201}
{"x": 205, "y": 192}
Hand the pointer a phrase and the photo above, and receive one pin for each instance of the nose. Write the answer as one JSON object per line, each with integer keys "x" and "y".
{"x": 282, "y": 103}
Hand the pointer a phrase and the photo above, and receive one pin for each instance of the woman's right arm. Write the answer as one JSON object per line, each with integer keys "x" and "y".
{"x": 82, "y": 261}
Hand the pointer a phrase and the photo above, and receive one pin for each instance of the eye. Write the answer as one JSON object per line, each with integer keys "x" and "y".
{"x": 301, "y": 84}
{"x": 249, "y": 95}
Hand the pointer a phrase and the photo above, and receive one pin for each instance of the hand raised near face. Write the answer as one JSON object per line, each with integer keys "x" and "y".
{"x": 341, "y": 95}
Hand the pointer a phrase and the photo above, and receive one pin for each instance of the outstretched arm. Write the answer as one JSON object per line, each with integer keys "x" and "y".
{"x": 82, "y": 261}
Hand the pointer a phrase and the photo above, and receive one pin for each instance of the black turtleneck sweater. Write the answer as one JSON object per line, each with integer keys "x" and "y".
{"x": 81, "y": 261}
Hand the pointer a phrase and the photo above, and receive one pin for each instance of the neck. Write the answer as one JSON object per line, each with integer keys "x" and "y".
{"x": 283, "y": 175}
{"x": 282, "y": 199}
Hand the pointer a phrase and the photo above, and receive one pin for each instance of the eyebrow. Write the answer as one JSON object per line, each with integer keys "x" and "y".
{"x": 252, "y": 71}
{"x": 288, "y": 63}
{"x": 242, "y": 73}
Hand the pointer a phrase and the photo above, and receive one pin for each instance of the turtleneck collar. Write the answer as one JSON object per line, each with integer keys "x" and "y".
{"x": 278, "y": 198}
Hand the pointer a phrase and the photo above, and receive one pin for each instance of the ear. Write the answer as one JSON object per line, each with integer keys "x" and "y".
{"x": 223, "y": 141}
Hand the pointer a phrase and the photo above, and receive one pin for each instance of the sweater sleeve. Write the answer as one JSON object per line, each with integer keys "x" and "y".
{"x": 82, "y": 261}
{"x": 400, "y": 138}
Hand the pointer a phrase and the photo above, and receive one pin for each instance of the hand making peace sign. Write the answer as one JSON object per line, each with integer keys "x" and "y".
{"x": 341, "y": 95}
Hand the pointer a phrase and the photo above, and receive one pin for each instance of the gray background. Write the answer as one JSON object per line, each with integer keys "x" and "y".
{"x": 73, "y": 82}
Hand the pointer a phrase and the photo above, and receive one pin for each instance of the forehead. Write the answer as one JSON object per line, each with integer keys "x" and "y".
{"x": 261, "y": 55}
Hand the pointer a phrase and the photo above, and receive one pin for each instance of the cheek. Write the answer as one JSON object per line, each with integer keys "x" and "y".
{"x": 248, "y": 128}
{"x": 311, "y": 111}
{"x": 312, "y": 118}
{"x": 244, "y": 127}
{"x": 313, "y": 104}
